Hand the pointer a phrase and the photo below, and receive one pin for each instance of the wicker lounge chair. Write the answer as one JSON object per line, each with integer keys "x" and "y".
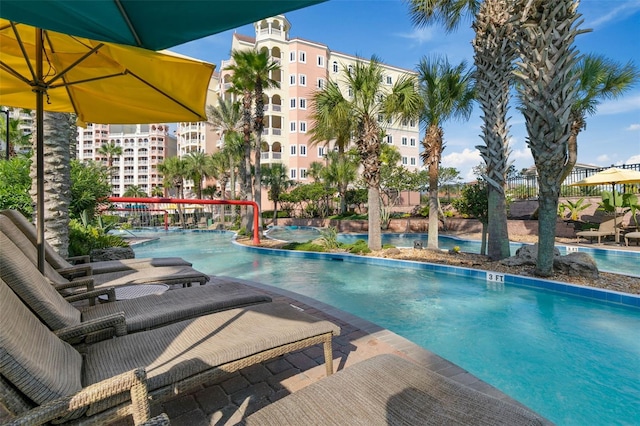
{"x": 125, "y": 316}
{"x": 177, "y": 358}
{"x": 389, "y": 390}
{"x": 64, "y": 266}
{"x": 605, "y": 229}
{"x": 185, "y": 275}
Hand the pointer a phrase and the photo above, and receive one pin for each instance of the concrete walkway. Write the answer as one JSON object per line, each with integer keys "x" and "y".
{"x": 227, "y": 401}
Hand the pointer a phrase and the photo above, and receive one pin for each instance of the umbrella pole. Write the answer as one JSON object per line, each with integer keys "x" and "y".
{"x": 39, "y": 152}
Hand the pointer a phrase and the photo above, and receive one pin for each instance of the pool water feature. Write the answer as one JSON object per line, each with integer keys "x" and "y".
{"x": 573, "y": 360}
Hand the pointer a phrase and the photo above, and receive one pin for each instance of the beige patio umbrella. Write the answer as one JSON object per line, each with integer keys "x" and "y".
{"x": 612, "y": 176}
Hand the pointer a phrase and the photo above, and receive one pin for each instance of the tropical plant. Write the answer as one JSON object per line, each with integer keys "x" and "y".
{"x": 331, "y": 118}
{"x": 135, "y": 191}
{"x": 111, "y": 151}
{"x": 252, "y": 75}
{"x": 494, "y": 53}
{"x": 447, "y": 93}
{"x": 329, "y": 238}
{"x": 547, "y": 89}
{"x": 83, "y": 239}
{"x": 341, "y": 171}
{"x": 221, "y": 170}
{"x": 474, "y": 201}
{"x": 157, "y": 191}
{"x": 369, "y": 100}
{"x": 14, "y": 191}
{"x": 174, "y": 171}
{"x": 17, "y": 138}
{"x": 276, "y": 179}
{"x": 599, "y": 79}
{"x": 198, "y": 169}
{"x": 574, "y": 207}
{"x": 89, "y": 189}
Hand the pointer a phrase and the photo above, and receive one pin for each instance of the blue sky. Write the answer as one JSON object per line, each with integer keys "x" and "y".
{"x": 383, "y": 28}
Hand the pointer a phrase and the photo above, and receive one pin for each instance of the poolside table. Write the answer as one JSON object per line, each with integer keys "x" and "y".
{"x": 138, "y": 290}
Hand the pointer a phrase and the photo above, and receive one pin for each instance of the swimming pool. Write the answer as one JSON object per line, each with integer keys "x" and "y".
{"x": 573, "y": 360}
{"x": 618, "y": 261}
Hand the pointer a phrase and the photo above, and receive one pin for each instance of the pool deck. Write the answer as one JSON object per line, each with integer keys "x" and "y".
{"x": 229, "y": 400}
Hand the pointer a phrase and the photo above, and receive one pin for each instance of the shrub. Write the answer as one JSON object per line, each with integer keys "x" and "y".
{"x": 83, "y": 239}
{"x": 358, "y": 247}
{"x": 329, "y": 238}
{"x": 306, "y": 246}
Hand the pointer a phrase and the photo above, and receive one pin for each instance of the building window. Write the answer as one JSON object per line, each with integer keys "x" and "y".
{"x": 404, "y": 161}
{"x": 335, "y": 67}
{"x": 389, "y": 80}
{"x": 303, "y": 127}
{"x": 350, "y": 91}
{"x": 380, "y": 118}
{"x": 412, "y": 123}
{"x": 412, "y": 142}
{"x": 303, "y": 150}
{"x": 303, "y": 57}
{"x": 292, "y": 80}
{"x": 292, "y": 103}
{"x": 292, "y": 173}
{"x": 350, "y": 69}
{"x": 412, "y": 161}
{"x": 303, "y": 103}
{"x": 321, "y": 152}
{"x": 320, "y": 61}
{"x": 303, "y": 173}
{"x": 302, "y": 79}
{"x": 292, "y": 150}
{"x": 292, "y": 127}
{"x": 292, "y": 56}
{"x": 404, "y": 140}
{"x": 320, "y": 83}
{"x": 389, "y": 139}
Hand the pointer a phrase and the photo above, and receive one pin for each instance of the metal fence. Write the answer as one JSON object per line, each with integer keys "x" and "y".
{"x": 526, "y": 187}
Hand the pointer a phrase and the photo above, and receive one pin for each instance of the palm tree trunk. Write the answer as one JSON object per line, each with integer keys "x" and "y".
{"x": 257, "y": 186}
{"x": 375, "y": 231}
{"x": 57, "y": 180}
{"x": 572, "y": 145}
{"x": 432, "y": 153}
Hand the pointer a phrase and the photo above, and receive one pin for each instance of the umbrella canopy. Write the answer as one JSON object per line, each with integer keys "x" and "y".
{"x": 612, "y": 176}
{"x": 100, "y": 82}
{"x": 153, "y": 25}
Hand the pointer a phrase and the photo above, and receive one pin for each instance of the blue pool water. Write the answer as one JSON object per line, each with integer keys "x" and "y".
{"x": 618, "y": 261}
{"x": 573, "y": 360}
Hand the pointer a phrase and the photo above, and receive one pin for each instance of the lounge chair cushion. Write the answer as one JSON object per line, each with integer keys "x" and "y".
{"x": 164, "y": 274}
{"x": 44, "y": 299}
{"x": 186, "y": 348}
{"x": 50, "y": 368}
{"x": 389, "y": 390}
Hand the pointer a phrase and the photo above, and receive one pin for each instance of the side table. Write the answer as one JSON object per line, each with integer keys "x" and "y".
{"x": 138, "y": 290}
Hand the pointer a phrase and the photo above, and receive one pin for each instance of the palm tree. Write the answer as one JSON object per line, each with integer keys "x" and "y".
{"x": 252, "y": 72}
{"x": 174, "y": 171}
{"x": 548, "y": 91}
{"x": 370, "y": 100}
{"x": 341, "y": 170}
{"x": 197, "y": 164}
{"x": 157, "y": 191}
{"x": 447, "y": 92}
{"x": 493, "y": 58}
{"x": 331, "y": 118}
{"x": 135, "y": 191}
{"x": 220, "y": 170}
{"x": 227, "y": 118}
{"x": 111, "y": 151}
{"x": 57, "y": 131}
{"x": 276, "y": 179}
{"x": 599, "y": 78}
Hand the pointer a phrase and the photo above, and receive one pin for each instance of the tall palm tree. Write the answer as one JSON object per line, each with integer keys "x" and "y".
{"x": 493, "y": 58}
{"x": 57, "y": 131}
{"x": 599, "y": 78}
{"x": 197, "y": 164}
{"x": 276, "y": 179}
{"x": 135, "y": 191}
{"x": 548, "y": 90}
{"x": 252, "y": 72}
{"x": 341, "y": 170}
{"x": 331, "y": 118}
{"x": 111, "y": 151}
{"x": 220, "y": 170}
{"x": 174, "y": 172}
{"x": 226, "y": 116}
{"x": 371, "y": 99}
{"x": 157, "y": 191}
{"x": 447, "y": 92}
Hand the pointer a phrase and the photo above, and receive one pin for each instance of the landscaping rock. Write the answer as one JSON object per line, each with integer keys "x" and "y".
{"x": 526, "y": 255}
{"x": 112, "y": 253}
{"x": 392, "y": 252}
{"x": 576, "y": 264}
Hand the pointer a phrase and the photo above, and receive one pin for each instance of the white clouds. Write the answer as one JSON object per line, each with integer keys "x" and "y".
{"x": 634, "y": 127}
{"x": 621, "y": 12}
{"x": 626, "y": 104}
{"x": 604, "y": 158}
{"x": 635, "y": 159}
{"x": 419, "y": 35}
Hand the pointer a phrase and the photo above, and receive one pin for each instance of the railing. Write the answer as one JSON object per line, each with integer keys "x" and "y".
{"x": 526, "y": 187}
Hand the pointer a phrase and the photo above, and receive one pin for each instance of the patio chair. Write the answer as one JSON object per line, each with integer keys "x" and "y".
{"x": 184, "y": 275}
{"x": 632, "y": 236}
{"x": 605, "y": 229}
{"x": 68, "y": 266}
{"x": 177, "y": 358}
{"x": 389, "y": 390}
{"x": 125, "y": 316}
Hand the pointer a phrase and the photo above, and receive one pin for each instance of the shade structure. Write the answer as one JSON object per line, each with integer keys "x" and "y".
{"x": 153, "y": 25}
{"x": 612, "y": 176}
{"x": 100, "y": 82}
